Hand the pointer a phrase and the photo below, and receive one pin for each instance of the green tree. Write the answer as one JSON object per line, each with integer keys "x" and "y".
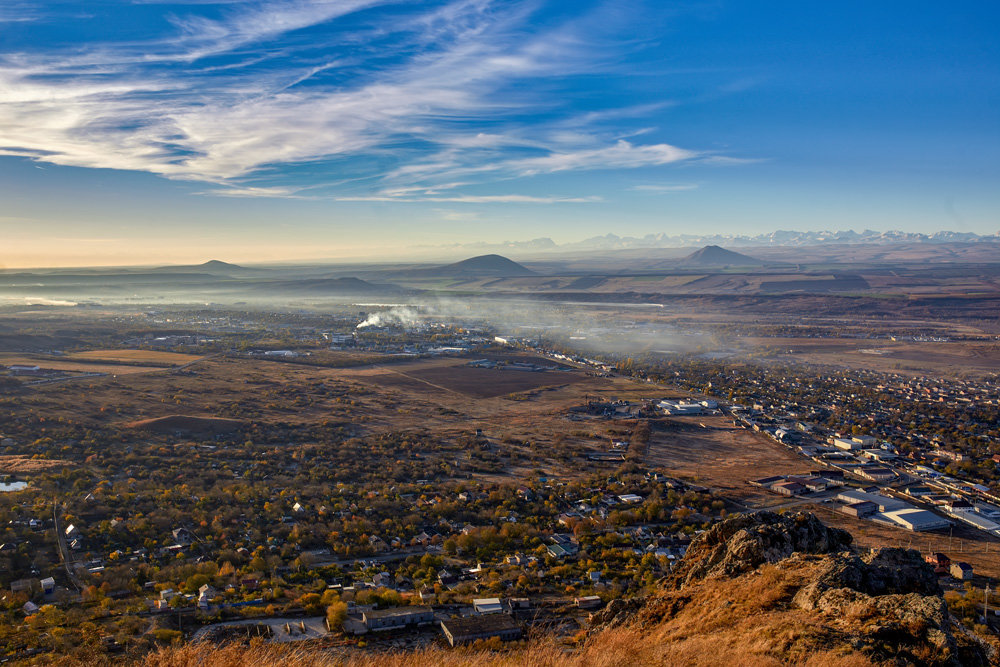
{"x": 335, "y": 615}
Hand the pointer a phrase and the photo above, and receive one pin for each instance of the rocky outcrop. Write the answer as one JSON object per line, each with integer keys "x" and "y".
{"x": 885, "y": 604}
{"x": 746, "y": 541}
{"x": 890, "y": 597}
{"x": 876, "y": 572}
{"x": 618, "y": 612}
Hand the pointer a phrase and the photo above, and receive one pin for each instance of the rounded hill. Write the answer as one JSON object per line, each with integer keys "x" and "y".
{"x": 485, "y": 265}
{"x": 713, "y": 255}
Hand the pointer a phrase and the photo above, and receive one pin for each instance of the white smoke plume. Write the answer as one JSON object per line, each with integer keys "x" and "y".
{"x": 41, "y": 301}
{"x": 400, "y": 316}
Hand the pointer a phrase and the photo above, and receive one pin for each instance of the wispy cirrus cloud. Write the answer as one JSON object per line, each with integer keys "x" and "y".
{"x": 263, "y": 98}
{"x": 478, "y": 199}
{"x": 250, "y": 191}
{"x": 665, "y": 188}
{"x": 622, "y": 155}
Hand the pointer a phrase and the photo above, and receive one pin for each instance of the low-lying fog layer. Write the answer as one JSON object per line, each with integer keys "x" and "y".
{"x": 586, "y": 326}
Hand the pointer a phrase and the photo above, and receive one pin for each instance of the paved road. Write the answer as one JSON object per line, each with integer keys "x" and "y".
{"x": 64, "y": 552}
{"x": 381, "y": 558}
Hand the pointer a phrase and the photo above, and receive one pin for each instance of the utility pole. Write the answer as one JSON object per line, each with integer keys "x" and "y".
{"x": 986, "y": 604}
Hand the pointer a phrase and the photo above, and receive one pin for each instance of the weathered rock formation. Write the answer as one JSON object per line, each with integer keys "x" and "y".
{"x": 883, "y": 603}
{"x": 746, "y": 541}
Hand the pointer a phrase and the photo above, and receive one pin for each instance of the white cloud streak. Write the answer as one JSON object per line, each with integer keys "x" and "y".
{"x": 480, "y": 199}
{"x": 156, "y": 107}
{"x": 622, "y": 155}
{"x": 664, "y": 189}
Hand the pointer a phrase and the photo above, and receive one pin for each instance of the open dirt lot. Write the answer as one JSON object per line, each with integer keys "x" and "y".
{"x": 475, "y": 382}
{"x": 719, "y": 455}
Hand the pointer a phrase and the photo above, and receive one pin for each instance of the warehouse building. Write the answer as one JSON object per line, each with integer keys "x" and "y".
{"x": 397, "y": 617}
{"x": 916, "y": 520}
{"x": 460, "y": 631}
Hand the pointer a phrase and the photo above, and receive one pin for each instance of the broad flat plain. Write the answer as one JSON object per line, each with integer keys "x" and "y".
{"x": 527, "y": 416}
{"x": 523, "y": 411}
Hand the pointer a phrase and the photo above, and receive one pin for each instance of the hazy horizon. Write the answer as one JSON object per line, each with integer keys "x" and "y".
{"x": 523, "y": 250}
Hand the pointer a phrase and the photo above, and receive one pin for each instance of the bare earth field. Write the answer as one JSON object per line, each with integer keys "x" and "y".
{"x": 205, "y": 426}
{"x": 58, "y": 364}
{"x": 475, "y": 382}
{"x": 136, "y": 356}
{"x": 970, "y": 358}
{"x": 719, "y": 455}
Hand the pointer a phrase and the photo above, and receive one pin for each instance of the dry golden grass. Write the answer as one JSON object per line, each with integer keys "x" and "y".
{"x": 137, "y": 356}
{"x": 62, "y": 364}
{"x": 743, "y": 622}
{"x": 618, "y": 647}
{"x": 26, "y": 464}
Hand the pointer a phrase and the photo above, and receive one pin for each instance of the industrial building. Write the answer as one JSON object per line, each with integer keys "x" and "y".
{"x": 846, "y": 445}
{"x": 397, "y": 617}
{"x": 680, "y": 408}
{"x": 484, "y": 606}
{"x": 860, "y": 510}
{"x": 885, "y": 503}
{"x": 916, "y": 520}
{"x": 460, "y": 631}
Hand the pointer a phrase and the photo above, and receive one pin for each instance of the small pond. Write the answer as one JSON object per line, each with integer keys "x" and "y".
{"x": 13, "y": 486}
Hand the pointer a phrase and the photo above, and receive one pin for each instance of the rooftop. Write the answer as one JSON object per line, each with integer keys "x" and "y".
{"x": 477, "y": 624}
{"x": 398, "y": 611}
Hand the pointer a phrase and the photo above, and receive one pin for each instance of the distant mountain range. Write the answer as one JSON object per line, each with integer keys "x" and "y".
{"x": 777, "y": 238}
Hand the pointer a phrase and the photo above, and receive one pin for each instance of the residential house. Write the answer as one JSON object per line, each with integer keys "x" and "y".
{"x": 940, "y": 562}
{"x": 961, "y": 570}
{"x": 378, "y": 544}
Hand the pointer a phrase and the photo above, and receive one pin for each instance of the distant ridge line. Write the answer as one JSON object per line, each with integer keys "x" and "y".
{"x": 769, "y": 239}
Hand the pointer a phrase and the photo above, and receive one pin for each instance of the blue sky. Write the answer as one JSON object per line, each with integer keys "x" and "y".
{"x": 145, "y": 131}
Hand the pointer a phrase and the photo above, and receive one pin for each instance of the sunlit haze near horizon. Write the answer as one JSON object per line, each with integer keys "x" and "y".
{"x": 148, "y": 132}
